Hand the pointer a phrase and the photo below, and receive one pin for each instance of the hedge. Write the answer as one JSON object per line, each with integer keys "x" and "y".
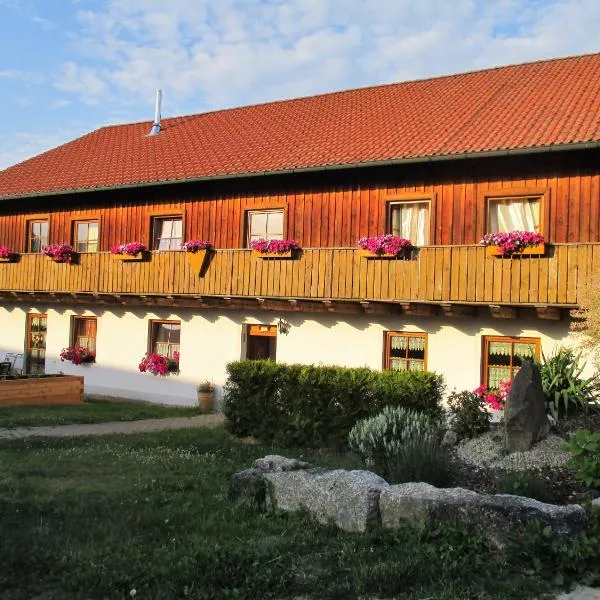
{"x": 308, "y": 405}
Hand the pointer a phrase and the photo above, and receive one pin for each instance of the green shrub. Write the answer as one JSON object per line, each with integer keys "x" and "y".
{"x": 307, "y": 405}
{"x": 403, "y": 445}
{"x": 523, "y": 483}
{"x": 585, "y": 448}
{"x": 470, "y": 415}
{"x": 564, "y": 387}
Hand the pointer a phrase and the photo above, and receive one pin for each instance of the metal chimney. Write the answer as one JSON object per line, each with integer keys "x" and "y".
{"x": 156, "y": 125}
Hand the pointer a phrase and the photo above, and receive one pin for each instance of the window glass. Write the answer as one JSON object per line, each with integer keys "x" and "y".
{"x": 86, "y": 234}
{"x": 514, "y": 214}
{"x": 267, "y": 225}
{"x": 168, "y": 233}
{"x": 405, "y": 351}
{"x": 166, "y": 338}
{"x": 84, "y": 332}
{"x": 504, "y": 357}
{"x": 410, "y": 220}
{"x": 37, "y": 236}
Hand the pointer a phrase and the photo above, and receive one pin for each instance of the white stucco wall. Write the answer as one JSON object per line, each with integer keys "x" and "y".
{"x": 210, "y": 339}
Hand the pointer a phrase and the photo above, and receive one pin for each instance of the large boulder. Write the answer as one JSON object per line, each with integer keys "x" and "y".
{"x": 348, "y": 498}
{"x": 499, "y": 517}
{"x": 525, "y": 416}
{"x": 250, "y": 486}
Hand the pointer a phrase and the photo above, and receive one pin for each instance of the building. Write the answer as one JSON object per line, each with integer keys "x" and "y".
{"x": 441, "y": 161}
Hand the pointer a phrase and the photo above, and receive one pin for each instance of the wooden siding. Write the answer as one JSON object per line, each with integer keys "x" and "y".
{"x": 333, "y": 209}
{"x": 459, "y": 274}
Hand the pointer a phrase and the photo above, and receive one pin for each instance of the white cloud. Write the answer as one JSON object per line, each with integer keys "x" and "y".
{"x": 21, "y": 146}
{"x": 83, "y": 81}
{"x": 27, "y": 77}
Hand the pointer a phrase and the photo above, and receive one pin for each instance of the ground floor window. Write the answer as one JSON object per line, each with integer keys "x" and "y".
{"x": 84, "y": 333}
{"x": 165, "y": 339}
{"x": 261, "y": 342}
{"x": 405, "y": 351}
{"x": 503, "y": 357}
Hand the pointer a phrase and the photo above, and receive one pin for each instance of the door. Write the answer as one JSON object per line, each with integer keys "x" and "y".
{"x": 35, "y": 344}
{"x": 262, "y": 342}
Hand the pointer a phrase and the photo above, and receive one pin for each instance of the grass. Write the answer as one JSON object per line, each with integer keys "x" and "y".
{"x": 88, "y": 412}
{"x": 101, "y": 517}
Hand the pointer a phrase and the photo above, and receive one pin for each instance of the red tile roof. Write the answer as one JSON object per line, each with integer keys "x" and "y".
{"x": 533, "y": 105}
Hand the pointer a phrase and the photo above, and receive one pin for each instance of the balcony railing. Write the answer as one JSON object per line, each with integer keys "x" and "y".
{"x": 439, "y": 274}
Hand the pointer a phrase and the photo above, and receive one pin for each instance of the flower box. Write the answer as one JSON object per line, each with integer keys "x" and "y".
{"x": 60, "y": 253}
{"x": 537, "y": 250}
{"x": 129, "y": 257}
{"x": 6, "y": 260}
{"x": 287, "y": 254}
{"x": 6, "y": 255}
{"x": 197, "y": 259}
{"x": 368, "y": 254}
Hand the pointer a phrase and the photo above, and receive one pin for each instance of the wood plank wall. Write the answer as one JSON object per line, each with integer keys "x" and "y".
{"x": 333, "y": 209}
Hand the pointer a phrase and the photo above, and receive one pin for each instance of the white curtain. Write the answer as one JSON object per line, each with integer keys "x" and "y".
{"x": 410, "y": 220}
{"x": 514, "y": 214}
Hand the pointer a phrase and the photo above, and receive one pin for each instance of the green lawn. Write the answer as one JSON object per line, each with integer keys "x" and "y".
{"x": 98, "y": 518}
{"x": 88, "y": 412}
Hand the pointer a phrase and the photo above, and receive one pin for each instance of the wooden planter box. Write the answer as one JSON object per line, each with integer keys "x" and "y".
{"x": 197, "y": 259}
{"x": 6, "y": 260}
{"x": 368, "y": 254}
{"x": 129, "y": 257}
{"x": 537, "y": 250}
{"x": 35, "y": 391}
{"x": 289, "y": 254}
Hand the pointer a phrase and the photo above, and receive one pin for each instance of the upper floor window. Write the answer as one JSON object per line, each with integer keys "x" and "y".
{"x": 410, "y": 220}
{"x": 265, "y": 224}
{"x": 514, "y": 214}
{"x": 165, "y": 338}
{"x": 86, "y": 236}
{"x": 405, "y": 351}
{"x": 503, "y": 357}
{"x": 84, "y": 333}
{"x": 37, "y": 235}
{"x": 167, "y": 233}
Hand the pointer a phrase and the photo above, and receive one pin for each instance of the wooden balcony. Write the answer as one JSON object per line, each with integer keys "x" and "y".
{"x": 435, "y": 275}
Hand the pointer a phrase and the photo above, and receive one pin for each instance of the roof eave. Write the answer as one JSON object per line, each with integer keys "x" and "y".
{"x": 332, "y": 167}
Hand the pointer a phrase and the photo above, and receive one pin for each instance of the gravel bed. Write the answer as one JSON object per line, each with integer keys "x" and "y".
{"x": 488, "y": 451}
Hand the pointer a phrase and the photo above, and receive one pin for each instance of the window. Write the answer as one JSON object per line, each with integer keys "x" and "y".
{"x": 405, "y": 351}
{"x": 84, "y": 333}
{"x": 410, "y": 220}
{"x": 86, "y": 236}
{"x": 504, "y": 356}
{"x": 262, "y": 342}
{"x": 164, "y": 339}
{"x": 265, "y": 224}
{"x": 514, "y": 214}
{"x": 37, "y": 235}
{"x": 167, "y": 233}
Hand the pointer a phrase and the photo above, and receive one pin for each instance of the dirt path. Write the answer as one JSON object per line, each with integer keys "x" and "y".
{"x": 210, "y": 421}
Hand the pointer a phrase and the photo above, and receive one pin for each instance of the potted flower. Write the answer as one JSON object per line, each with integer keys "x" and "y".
{"x": 158, "y": 364}
{"x": 275, "y": 248}
{"x": 196, "y": 252}
{"x": 6, "y": 254}
{"x": 59, "y": 253}
{"x": 128, "y": 251}
{"x": 384, "y": 246}
{"x": 495, "y": 399}
{"x": 206, "y": 395}
{"x": 78, "y": 355}
{"x": 515, "y": 242}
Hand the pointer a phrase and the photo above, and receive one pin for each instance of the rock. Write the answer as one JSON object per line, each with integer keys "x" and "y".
{"x": 348, "y": 498}
{"x": 275, "y": 463}
{"x": 450, "y": 438}
{"x": 250, "y": 486}
{"x": 499, "y": 517}
{"x": 525, "y": 410}
{"x": 596, "y": 503}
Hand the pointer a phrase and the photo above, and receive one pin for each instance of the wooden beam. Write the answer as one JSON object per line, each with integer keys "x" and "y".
{"x": 418, "y": 310}
{"x": 457, "y": 310}
{"x": 329, "y": 307}
{"x": 367, "y": 307}
{"x": 552, "y": 313}
{"x": 293, "y": 305}
{"x": 503, "y": 312}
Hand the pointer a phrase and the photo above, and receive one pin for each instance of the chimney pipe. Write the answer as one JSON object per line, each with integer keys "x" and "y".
{"x": 156, "y": 125}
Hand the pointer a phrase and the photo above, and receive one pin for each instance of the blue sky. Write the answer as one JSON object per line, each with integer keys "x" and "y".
{"x": 70, "y": 66}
